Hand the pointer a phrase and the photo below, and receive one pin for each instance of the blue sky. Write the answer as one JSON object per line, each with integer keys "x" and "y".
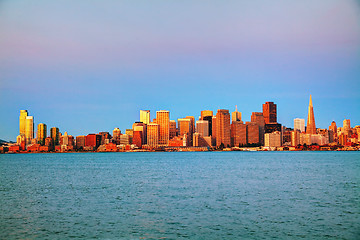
{"x": 90, "y": 66}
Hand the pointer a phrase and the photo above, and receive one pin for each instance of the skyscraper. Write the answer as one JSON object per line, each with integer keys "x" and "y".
{"x": 269, "y": 112}
{"x": 41, "y": 133}
{"x": 208, "y": 116}
{"x": 29, "y": 129}
{"x": 299, "y": 124}
{"x": 54, "y": 134}
{"x": 145, "y": 116}
{"x": 238, "y": 134}
{"x": 185, "y": 127}
{"x": 310, "y": 126}
{"x": 172, "y": 130}
{"x": 163, "y": 119}
{"x": 346, "y": 127}
{"x": 223, "y": 128}
{"x": 153, "y": 134}
{"x": 206, "y": 113}
{"x": 202, "y": 127}
{"x": 236, "y": 116}
{"x": 22, "y": 120}
{"x": 192, "y": 121}
{"x": 258, "y": 118}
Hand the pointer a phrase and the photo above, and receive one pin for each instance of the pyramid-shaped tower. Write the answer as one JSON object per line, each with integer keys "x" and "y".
{"x": 310, "y": 126}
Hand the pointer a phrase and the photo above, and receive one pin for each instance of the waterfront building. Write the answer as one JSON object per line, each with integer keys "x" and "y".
{"x": 105, "y": 137}
{"x": 310, "y": 126}
{"x": 41, "y": 133}
{"x": 238, "y": 134}
{"x": 124, "y": 139}
{"x": 252, "y": 133}
{"x": 130, "y": 133}
{"x": 163, "y": 119}
{"x": 295, "y": 138}
{"x": 223, "y": 128}
{"x": 80, "y": 142}
{"x": 138, "y": 137}
{"x": 299, "y": 124}
{"x": 273, "y": 139}
{"x": 192, "y": 123}
{"x": 213, "y": 131}
{"x": 184, "y": 126}
{"x": 200, "y": 141}
{"x": 22, "y": 120}
{"x": 153, "y": 132}
{"x": 346, "y": 129}
{"x": 172, "y": 130}
{"x": 236, "y": 116}
{"x": 55, "y": 135}
{"x": 258, "y": 118}
{"x": 116, "y": 136}
{"x": 208, "y": 116}
{"x": 145, "y": 116}
{"x": 333, "y": 131}
{"x": 269, "y": 112}
{"x": 67, "y": 142}
{"x": 92, "y": 141}
{"x": 202, "y": 127}
{"x": 29, "y": 129}
{"x": 139, "y": 126}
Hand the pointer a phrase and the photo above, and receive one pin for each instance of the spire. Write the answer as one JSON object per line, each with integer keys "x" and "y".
{"x": 310, "y": 126}
{"x": 236, "y": 108}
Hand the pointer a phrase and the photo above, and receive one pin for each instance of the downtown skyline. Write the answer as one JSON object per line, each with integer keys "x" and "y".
{"x": 98, "y": 63}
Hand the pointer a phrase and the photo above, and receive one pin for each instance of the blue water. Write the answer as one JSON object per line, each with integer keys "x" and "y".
{"x": 207, "y": 195}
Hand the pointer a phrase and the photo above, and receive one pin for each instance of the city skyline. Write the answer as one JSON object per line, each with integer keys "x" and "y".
{"x": 145, "y": 116}
{"x": 103, "y": 61}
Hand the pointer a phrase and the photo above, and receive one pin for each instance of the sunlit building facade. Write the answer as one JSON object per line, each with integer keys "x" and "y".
{"x": 163, "y": 119}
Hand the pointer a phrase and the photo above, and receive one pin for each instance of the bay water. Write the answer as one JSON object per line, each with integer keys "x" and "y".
{"x": 180, "y": 195}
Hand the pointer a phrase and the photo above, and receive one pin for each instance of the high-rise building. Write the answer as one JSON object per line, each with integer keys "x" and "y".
{"x": 333, "y": 132}
{"x": 80, "y": 142}
{"x": 346, "y": 127}
{"x": 236, "y": 116}
{"x": 22, "y": 120}
{"x": 185, "y": 127}
{"x": 295, "y": 138}
{"x": 145, "y": 116}
{"x": 55, "y": 135}
{"x": 93, "y": 140}
{"x": 213, "y": 131}
{"x": 192, "y": 122}
{"x": 206, "y": 113}
{"x": 202, "y": 127}
{"x": 172, "y": 131}
{"x": 223, "y": 128}
{"x": 138, "y": 137}
{"x": 238, "y": 134}
{"x": 310, "y": 126}
{"x": 29, "y": 129}
{"x": 258, "y": 118}
{"x": 41, "y": 133}
{"x": 273, "y": 139}
{"x": 299, "y": 124}
{"x": 253, "y": 136}
{"x": 269, "y": 112}
{"x": 153, "y": 132}
{"x": 163, "y": 119}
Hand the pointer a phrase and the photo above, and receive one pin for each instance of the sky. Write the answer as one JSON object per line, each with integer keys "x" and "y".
{"x": 89, "y": 66}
